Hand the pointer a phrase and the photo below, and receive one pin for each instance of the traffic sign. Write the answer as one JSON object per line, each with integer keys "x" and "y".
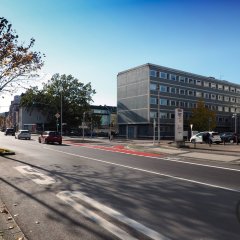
{"x": 57, "y": 115}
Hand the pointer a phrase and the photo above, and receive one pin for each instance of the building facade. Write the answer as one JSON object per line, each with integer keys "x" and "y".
{"x": 148, "y": 95}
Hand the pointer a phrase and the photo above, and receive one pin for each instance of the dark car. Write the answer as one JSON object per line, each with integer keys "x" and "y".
{"x": 50, "y": 137}
{"x": 10, "y": 131}
{"x": 230, "y": 137}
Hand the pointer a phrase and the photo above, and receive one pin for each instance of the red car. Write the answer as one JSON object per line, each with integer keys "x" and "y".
{"x": 50, "y": 137}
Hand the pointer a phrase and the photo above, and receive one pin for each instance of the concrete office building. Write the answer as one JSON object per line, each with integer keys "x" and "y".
{"x": 149, "y": 92}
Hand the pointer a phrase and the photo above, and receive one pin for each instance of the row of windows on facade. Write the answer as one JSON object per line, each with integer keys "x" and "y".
{"x": 173, "y": 90}
{"x": 174, "y": 103}
{"x": 166, "y": 115}
{"x": 198, "y": 82}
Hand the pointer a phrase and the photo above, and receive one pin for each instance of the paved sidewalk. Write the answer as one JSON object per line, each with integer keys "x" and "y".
{"x": 223, "y": 153}
{"x": 216, "y": 152}
{"x": 9, "y": 230}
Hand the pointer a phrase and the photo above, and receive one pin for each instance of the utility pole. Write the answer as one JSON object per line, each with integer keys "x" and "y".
{"x": 158, "y": 116}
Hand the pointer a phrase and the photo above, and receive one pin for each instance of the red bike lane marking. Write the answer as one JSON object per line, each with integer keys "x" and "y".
{"x": 117, "y": 148}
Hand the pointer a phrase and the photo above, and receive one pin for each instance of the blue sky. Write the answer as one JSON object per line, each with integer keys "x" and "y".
{"x": 95, "y": 39}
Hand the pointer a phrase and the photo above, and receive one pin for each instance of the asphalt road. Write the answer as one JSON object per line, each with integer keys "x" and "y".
{"x": 83, "y": 192}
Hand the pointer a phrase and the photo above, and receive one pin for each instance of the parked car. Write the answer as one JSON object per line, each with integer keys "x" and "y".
{"x": 230, "y": 137}
{"x": 50, "y": 137}
{"x": 9, "y": 131}
{"x": 207, "y": 137}
{"x": 23, "y": 134}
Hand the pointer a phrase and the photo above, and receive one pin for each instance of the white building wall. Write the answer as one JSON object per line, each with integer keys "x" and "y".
{"x": 30, "y": 119}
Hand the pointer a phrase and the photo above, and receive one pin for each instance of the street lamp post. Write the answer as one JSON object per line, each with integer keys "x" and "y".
{"x": 191, "y": 126}
{"x": 235, "y": 121}
{"x": 61, "y": 111}
{"x": 83, "y": 124}
{"x": 109, "y": 130}
{"x": 158, "y": 116}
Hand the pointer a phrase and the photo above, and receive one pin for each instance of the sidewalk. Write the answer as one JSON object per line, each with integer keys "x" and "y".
{"x": 216, "y": 152}
{"x": 9, "y": 230}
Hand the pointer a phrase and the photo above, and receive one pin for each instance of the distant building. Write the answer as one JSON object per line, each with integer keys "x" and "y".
{"x": 35, "y": 121}
{"x": 150, "y": 93}
{"x": 108, "y": 116}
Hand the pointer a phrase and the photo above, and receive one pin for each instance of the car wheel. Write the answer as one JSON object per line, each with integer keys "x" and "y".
{"x": 231, "y": 141}
{"x": 193, "y": 141}
{"x": 39, "y": 140}
{"x": 60, "y": 143}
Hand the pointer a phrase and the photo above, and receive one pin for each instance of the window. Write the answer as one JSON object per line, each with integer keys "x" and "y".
{"x": 213, "y": 96}
{"x": 206, "y": 95}
{"x": 232, "y": 109}
{"x": 237, "y": 100}
{"x": 153, "y": 114}
{"x": 226, "y": 99}
{"x": 226, "y": 88}
{"x": 163, "y": 115}
{"x": 173, "y": 90}
{"x": 220, "y": 108}
{"x": 206, "y": 84}
{"x": 213, "y": 107}
{"x": 173, "y": 77}
{"x": 191, "y": 81}
{"x": 153, "y": 86}
{"x": 182, "y": 91}
{"x": 181, "y": 79}
{"x": 163, "y": 88}
{"x": 220, "y": 119}
{"x": 163, "y": 102}
{"x": 226, "y": 109}
{"x": 153, "y": 100}
{"x": 213, "y": 85}
{"x": 220, "y": 87}
{"x": 238, "y": 90}
{"x": 153, "y": 73}
{"x": 199, "y": 94}
{"x": 181, "y": 104}
{"x": 190, "y": 93}
{"x": 190, "y": 105}
{"x": 220, "y": 97}
{"x": 172, "y": 115}
{"x": 232, "y": 99}
{"x": 232, "y": 89}
{"x": 172, "y": 103}
{"x": 163, "y": 75}
{"x": 199, "y": 82}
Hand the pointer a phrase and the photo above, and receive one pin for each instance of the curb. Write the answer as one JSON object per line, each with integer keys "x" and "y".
{"x": 9, "y": 230}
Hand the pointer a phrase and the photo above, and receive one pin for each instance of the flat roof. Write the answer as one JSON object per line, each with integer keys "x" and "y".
{"x": 181, "y": 72}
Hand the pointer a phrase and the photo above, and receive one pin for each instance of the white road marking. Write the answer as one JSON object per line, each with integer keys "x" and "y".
{"x": 43, "y": 180}
{"x": 147, "y": 171}
{"x": 68, "y": 196}
{"x": 93, "y": 216}
{"x": 173, "y": 159}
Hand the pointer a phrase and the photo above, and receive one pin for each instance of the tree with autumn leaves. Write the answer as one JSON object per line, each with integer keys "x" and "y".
{"x": 202, "y": 118}
{"x": 18, "y": 63}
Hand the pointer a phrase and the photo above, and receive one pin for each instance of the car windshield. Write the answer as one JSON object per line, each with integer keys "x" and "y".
{"x": 54, "y": 134}
{"x": 24, "y": 131}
